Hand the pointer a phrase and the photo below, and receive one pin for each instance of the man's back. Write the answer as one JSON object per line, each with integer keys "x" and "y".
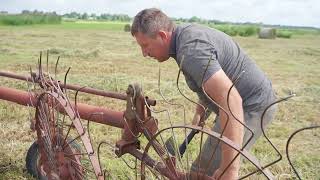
{"x": 196, "y": 45}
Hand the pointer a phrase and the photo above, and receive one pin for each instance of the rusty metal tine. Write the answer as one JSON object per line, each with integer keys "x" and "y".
{"x": 65, "y": 80}
{"x": 288, "y": 143}
{"x": 56, "y": 68}
{"x": 168, "y": 113}
{"x": 40, "y": 63}
{"x": 99, "y": 146}
{"x": 47, "y": 60}
{"x": 264, "y": 134}
{"x": 69, "y": 142}
{"x": 177, "y": 83}
{"x": 242, "y": 123}
{"x": 76, "y": 100}
{"x": 67, "y": 98}
{"x": 86, "y": 169}
{"x": 229, "y": 143}
{"x": 227, "y": 121}
{"x": 173, "y": 104}
{"x": 214, "y": 102}
{"x": 204, "y": 108}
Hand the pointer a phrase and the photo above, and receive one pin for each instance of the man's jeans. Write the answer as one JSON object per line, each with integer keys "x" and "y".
{"x": 252, "y": 120}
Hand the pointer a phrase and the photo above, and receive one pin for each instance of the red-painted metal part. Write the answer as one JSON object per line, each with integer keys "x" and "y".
{"x": 76, "y": 87}
{"x": 47, "y": 132}
{"x": 17, "y": 96}
{"x": 104, "y": 116}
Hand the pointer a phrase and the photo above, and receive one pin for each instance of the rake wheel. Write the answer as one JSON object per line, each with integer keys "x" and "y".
{"x": 60, "y": 136}
{"x": 170, "y": 165}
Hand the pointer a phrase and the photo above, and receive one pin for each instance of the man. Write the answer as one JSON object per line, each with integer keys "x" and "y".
{"x": 210, "y": 61}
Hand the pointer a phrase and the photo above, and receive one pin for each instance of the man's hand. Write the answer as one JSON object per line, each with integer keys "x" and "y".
{"x": 198, "y": 114}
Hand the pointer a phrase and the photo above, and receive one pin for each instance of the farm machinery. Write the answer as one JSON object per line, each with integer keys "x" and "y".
{"x": 64, "y": 149}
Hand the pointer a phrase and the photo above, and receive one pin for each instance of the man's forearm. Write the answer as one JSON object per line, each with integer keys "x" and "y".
{"x": 233, "y": 131}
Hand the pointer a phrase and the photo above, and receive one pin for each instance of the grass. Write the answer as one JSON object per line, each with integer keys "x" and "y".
{"x": 103, "y": 56}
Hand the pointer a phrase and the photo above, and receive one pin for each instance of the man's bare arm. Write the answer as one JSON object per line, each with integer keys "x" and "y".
{"x": 217, "y": 87}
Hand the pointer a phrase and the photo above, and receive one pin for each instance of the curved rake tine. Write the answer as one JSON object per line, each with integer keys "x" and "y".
{"x": 114, "y": 149}
{"x": 165, "y": 99}
{"x": 159, "y": 150}
{"x": 65, "y": 92}
{"x": 165, "y": 147}
{"x": 220, "y": 108}
{"x": 288, "y": 143}
{"x": 177, "y": 83}
{"x": 70, "y": 142}
{"x": 201, "y": 118}
{"x": 40, "y": 71}
{"x": 264, "y": 134}
{"x": 42, "y": 81}
{"x": 65, "y": 80}
{"x": 242, "y": 123}
{"x": 88, "y": 128}
{"x": 158, "y": 111}
{"x": 56, "y": 68}
{"x": 40, "y": 63}
{"x": 216, "y": 135}
{"x": 228, "y": 103}
{"x": 56, "y": 86}
{"x": 47, "y": 60}
{"x": 81, "y": 134}
{"x": 157, "y": 146}
{"x": 152, "y": 169}
{"x": 213, "y": 101}
{"x": 105, "y": 170}
{"x": 171, "y": 124}
{"x": 31, "y": 95}
{"x": 76, "y": 100}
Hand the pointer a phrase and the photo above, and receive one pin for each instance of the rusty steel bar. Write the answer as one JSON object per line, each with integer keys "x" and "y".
{"x": 101, "y": 115}
{"x": 87, "y": 112}
{"x": 15, "y": 76}
{"x": 17, "y": 96}
{"x": 77, "y": 87}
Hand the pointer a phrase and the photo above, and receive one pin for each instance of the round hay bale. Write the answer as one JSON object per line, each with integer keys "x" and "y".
{"x": 127, "y": 28}
{"x": 267, "y": 33}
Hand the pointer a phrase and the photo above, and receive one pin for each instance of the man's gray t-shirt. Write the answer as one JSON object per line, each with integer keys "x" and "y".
{"x": 199, "y": 46}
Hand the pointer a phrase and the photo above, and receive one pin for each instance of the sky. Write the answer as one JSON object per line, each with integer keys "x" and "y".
{"x": 275, "y": 12}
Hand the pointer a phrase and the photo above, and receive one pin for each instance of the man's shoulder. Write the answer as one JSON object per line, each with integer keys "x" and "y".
{"x": 193, "y": 30}
{"x": 187, "y": 34}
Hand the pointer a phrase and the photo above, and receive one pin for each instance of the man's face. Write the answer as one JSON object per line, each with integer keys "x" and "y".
{"x": 156, "y": 47}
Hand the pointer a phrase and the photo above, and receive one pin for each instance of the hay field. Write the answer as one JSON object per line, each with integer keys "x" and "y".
{"x": 106, "y": 57}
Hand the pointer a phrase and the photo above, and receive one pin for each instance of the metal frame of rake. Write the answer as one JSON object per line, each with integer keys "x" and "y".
{"x": 60, "y": 159}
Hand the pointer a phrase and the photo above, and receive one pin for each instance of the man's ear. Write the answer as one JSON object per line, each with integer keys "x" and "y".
{"x": 163, "y": 35}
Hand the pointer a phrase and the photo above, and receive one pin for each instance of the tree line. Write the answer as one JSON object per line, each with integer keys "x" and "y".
{"x": 93, "y": 16}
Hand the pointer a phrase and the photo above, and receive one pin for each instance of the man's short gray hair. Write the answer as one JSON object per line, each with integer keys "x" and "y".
{"x": 150, "y": 21}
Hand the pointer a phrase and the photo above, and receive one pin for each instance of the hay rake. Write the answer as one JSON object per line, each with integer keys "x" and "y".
{"x": 64, "y": 148}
